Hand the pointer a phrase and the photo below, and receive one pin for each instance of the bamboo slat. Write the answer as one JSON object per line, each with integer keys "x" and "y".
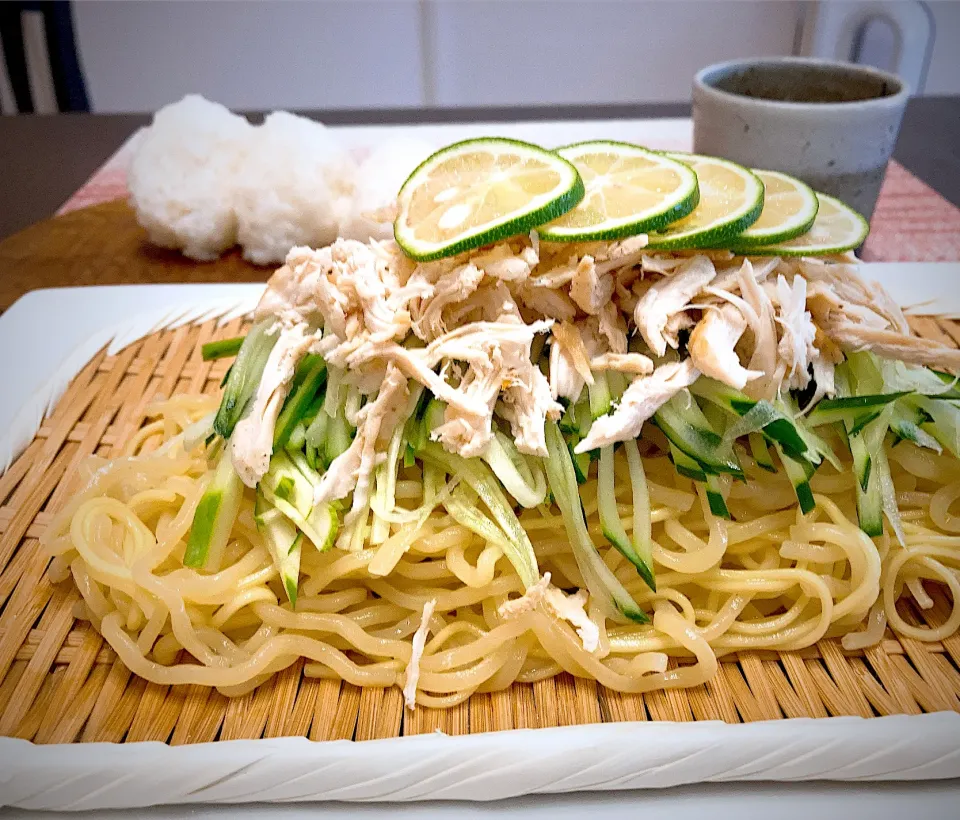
{"x": 61, "y": 683}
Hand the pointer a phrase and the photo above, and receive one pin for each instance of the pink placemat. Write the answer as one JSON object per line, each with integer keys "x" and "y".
{"x": 912, "y": 222}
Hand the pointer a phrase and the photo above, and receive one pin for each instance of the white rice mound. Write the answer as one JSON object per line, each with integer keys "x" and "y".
{"x": 377, "y": 182}
{"x": 181, "y": 175}
{"x": 293, "y": 189}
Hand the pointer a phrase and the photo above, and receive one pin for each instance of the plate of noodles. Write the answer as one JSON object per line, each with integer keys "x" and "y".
{"x": 575, "y": 435}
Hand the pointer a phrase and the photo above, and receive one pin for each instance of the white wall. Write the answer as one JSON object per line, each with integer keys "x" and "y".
{"x": 137, "y": 56}
{"x": 140, "y": 55}
{"x": 943, "y": 75}
{"x": 496, "y": 53}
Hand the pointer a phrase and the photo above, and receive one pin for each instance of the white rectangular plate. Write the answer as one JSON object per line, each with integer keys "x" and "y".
{"x": 48, "y": 333}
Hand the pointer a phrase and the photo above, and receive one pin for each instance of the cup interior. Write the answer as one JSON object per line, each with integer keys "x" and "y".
{"x": 802, "y": 82}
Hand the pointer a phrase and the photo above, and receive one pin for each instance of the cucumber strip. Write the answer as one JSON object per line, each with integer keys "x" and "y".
{"x": 433, "y": 417}
{"x": 317, "y": 431}
{"x": 718, "y": 504}
{"x": 815, "y": 448}
{"x": 339, "y": 435}
{"x": 321, "y": 525}
{"x": 289, "y": 486}
{"x": 610, "y": 522}
{"x": 778, "y": 427}
{"x": 870, "y": 504}
{"x": 952, "y": 391}
{"x": 830, "y": 411}
{"x": 523, "y": 478}
{"x": 867, "y": 451}
{"x": 245, "y": 375}
{"x": 722, "y": 394}
{"x": 599, "y": 393}
{"x": 864, "y": 373}
{"x": 568, "y": 421}
{"x": 684, "y": 465}
{"x": 799, "y": 472}
{"x": 581, "y": 461}
{"x": 222, "y": 349}
{"x": 761, "y": 452}
{"x": 283, "y": 541}
{"x": 463, "y": 510}
{"x": 642, "y": 522}
{"x": 888, "y": 495}
{"x": 945, "y": 422}
{"x": 675, "y": 418}
{"x": 618, "y": 385}
{"x": 310, "y": 377}
{"x": 602, "y": 584}
{"x": 905, "y": 423}
{"x": 214, "y": 517}
{"x": 297, "y": 439}
{"x": 481, "y": 480}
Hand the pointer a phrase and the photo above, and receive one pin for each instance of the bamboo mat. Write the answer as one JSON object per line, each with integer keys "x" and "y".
{"x": 61, "y": 683}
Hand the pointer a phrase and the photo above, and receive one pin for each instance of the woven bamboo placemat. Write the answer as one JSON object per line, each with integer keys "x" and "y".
{"x": 61, "y": 683}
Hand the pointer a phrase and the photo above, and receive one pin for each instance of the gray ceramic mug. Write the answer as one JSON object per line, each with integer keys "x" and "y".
{"x": 833, "y": 125}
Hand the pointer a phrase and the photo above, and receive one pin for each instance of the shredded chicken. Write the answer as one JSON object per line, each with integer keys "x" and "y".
{"x": 453, "y": 287}
{"x": 568, "y": 338}
{"x": 668, "y": 296}
{"x": 644, "y": 396}
{"x": 635, "y": 363}
{"x": 251, "y": 444}
{"x": 416, "y": 652}
{"x": 758, "y": 310}
{"x": 353, "y": 469}
{"x": 569, "y": 608}
{"x": 612, "y": 328}
{"x": 893, "y": 344}
{"x": 590, "y": 289}
{"x": 464, "y": 328}
{"x": 712, "y": 347}
{"x": 795, "y": 349}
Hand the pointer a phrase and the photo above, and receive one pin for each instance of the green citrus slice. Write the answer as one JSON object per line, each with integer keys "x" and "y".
{"x": 629, "y": 190}
{"x": 789, "y": 208}
{"x": 479, "y": 191}
{"x": 837, "y": 228}
{"x": 731, "y": 200}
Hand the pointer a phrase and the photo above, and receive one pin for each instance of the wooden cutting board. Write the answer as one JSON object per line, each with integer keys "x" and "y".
{"x": 103, "y": 245}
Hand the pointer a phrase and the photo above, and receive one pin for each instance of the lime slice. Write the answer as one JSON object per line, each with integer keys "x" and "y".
{"x": 836, "y": 228}
{"x": 629, "y": 190}
{"x": 789, "y": 208}
{"x": 731, "y": 200}
{"x": 478, "y": 191}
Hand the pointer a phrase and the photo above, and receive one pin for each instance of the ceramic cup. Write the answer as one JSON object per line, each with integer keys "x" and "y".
{"x": 831, "y": 124}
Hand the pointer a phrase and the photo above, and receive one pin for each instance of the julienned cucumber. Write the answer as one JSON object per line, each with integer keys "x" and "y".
{"x": 222, "y": 349}
{"x": 799, "y": 472}
{"x": 715, "y": 499}
{"x": 601, "y": 582}
{"x": 310, "y": 377}
{"x": 244, "y": 377}
{"x": 778, "y": 428}
{"x": 610, "y": 522}
{"x": 289, "y": 486}
{"x": 214, "y": 516}
{"x": 856, "y": 408}
{"x": 761, "y": 452}
{"x": 680, "y": 421}
{"x": 684, "y": 465}
{"x": 283, "y": 541}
